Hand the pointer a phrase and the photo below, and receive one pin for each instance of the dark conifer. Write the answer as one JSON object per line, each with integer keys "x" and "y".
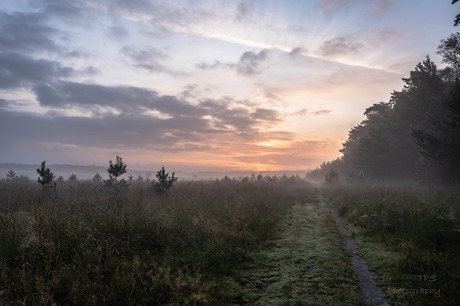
{"x": 46, "y": 176}
{"x": 165, "y": 182}
{"x": 116, "y": 170}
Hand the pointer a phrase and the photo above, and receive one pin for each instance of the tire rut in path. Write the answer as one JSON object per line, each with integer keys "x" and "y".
{"x": 372, "y": 294}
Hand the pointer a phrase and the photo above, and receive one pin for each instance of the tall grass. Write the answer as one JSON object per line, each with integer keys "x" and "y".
{"x": 418, "y": 226}
{"x": 85, "y": 244}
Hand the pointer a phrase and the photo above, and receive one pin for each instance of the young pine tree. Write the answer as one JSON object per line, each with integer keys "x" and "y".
{"x": 46, "y": 176}
{"x": 116, "y": 170}
{"x": 165, "y": 182}
{"x": 11, "y": 175}
{"x": 97, "y": 178}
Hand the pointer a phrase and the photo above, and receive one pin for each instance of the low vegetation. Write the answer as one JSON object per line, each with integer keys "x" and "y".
{"x": 305, "y": 263}
{"x": 410, "y": 237}
{"x": 87, "y": 244}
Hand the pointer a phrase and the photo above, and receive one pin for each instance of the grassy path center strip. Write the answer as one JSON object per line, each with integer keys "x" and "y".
{"x": 306, "y": 264}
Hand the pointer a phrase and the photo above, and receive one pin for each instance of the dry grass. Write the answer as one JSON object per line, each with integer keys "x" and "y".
{"x": 84, "y": 244}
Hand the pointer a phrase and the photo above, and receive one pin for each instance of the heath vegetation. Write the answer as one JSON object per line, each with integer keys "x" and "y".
{"x": 409, "y": 235}
{"x": 86, "y": 244}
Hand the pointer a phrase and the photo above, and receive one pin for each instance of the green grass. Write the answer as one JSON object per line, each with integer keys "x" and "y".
{"x": 406, "y": 233}
{"x": 304, "y": 264}
{"x": 87, "y": 245}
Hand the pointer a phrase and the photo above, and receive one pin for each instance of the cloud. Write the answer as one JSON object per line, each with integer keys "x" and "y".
{"x": 321, "y": 112}
{"x": 332, "y": 6}
{"x": 108, "y": 131}
{"x": 297, "y": 51}
{"x": 217, "y": 64}
{"x": 117, "y": 32}
{"x": 384, "y": 36}
{"x": 339, "y": 46}
{"x": 377, "y": 7}
{"x": 131, "y": 6}
{"x": 380, "y": 7}
{"x": 188, "y": 127}
{"x": 148, "y": 59}
{"x": 26, "y": 32}
{"x": 247, "y": 65}
{"x": 268, "y": 115}
{"x": 301, "y": 112}
{"x": 125, "y": 99}
{"x": 238, "y": 118}
{"x": 271, "y": 92}
{"x": 5, "y": 103}
{"x": 18, "y": 70}
{"x": 223, "y": 116}
{"x": 304, "y": 112}
{"x": 189, "y": 91}
{"x": 63, "y": 9}
{"x": 244, "y": 10}
{"x": 250, "y": 61}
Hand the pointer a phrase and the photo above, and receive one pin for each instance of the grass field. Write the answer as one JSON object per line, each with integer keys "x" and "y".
{"x": 252, "y": 241}
{"x": 409, "y": 236}
{"x": 89, "y": 245}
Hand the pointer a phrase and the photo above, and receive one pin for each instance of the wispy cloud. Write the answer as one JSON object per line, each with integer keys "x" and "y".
{"x": 380, "y": 7}
{"x": 333, "y": 6}
{"x": 322, "y": 112}
{"x": 339, "y": 46}
{"x": 148, "y": 60}
{"x": 244, "y": 10}
{"x": 248, "y": 63}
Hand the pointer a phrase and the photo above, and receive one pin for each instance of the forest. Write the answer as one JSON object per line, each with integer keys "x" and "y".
{"x": 415, "y": 136}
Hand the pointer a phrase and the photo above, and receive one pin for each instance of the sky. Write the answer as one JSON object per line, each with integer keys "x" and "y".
{"x": 203, "y": 85}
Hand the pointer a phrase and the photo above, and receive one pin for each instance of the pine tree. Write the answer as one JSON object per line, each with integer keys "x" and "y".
{"x": 11, "y": 174}
{"x": 332, "y": 177}
{"x": 46, "y": 176}
{"x": 440, "y": 141}
{"x": 116, "y": 170}
{"x": 164, "y": 181}
{"x": 97, "y": 178}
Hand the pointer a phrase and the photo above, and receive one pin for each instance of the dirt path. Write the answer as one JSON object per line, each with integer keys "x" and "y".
{"x": 306, "y": 264}
{"x": 372, "y": 294}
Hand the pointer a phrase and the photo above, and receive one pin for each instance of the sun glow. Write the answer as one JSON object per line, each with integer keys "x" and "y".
{"x": 272, "y": 143}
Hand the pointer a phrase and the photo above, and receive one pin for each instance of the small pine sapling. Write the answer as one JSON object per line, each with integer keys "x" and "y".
{"x": 97, "y": 178}
{"x": 46, "y": 177}
{"x": 116, "y": 170}
{"x": 165, "y": 181}
{"x": 11, "y": 175}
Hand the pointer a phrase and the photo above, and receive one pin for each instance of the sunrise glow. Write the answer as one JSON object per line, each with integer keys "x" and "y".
{"x": 202, "y": 85}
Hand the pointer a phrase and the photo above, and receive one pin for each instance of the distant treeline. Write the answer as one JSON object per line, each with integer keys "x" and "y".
{"x": 415, "y": 135}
